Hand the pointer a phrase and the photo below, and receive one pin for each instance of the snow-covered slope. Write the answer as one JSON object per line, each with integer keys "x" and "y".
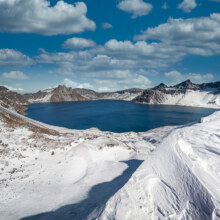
{"x": 185, "y": 93}
{"x": 179, "y": 180}
{"x": 54, "y": 173}
{"x": 197, "y": 98}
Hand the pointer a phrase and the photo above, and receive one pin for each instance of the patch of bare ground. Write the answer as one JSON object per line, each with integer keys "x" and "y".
{"x": 14, "y": 122}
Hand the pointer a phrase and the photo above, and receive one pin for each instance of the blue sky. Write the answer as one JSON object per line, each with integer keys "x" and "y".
{"x": 108, "y": 45}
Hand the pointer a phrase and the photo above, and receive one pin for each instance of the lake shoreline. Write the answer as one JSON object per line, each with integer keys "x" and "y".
{"x": 96, "y": 113}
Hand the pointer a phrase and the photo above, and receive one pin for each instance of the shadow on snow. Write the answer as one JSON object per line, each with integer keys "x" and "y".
{"x": 96, "y": 200}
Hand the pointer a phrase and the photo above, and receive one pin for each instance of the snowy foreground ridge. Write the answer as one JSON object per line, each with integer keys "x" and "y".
{"x": 54, "y": 173}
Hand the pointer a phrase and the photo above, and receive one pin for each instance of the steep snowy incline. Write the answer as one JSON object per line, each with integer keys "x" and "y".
{"x": 179, "y": 180}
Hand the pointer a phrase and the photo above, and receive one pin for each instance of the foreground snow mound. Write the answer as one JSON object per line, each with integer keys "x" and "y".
{"x": 54, "y": 173}
{"x": 60, "y": 172}
{"x": 179, "y": 180}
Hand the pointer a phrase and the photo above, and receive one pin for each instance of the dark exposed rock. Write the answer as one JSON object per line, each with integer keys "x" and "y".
{"x": 2, "y": 88}
{"x": 63, "y": 93}
{"x": 12, "y": 100}
{"x": 37, "y": 95}
{"x": 186, "y": 85}
{"x": 160, "y": 86}
{"x": 215, "y": 85}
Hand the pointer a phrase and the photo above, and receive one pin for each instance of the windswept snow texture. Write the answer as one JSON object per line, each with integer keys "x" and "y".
{"x": 54, "y": 173}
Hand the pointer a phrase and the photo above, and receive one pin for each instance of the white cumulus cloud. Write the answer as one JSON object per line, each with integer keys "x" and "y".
{"x": 136, "y": 7}
{"x": 37, "y": 16}
{"x": 120, "y": 64}
{"x": 187, "y": 5}
{"x": 198, "y": 36}
{"x": 14, "y": 75}
{"x": 78, "y": 43}
{"x": 13, "y": 58}
{"x": 176, "y": 77}
{"x": 106, "y": 25}
{"x": 102, "y": 68}
{"x": 74, "y": 84}
{"x": 15, "y": 89}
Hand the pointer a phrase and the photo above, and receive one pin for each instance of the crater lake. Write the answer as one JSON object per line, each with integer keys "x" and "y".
{"x": 115, "y": 116}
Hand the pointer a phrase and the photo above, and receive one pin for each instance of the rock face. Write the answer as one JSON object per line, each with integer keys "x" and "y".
{"x": 58, "y": 94}
{"x": 63, "y": 93}
{"x": 12, "y": 100}
{"x": 185, "y": 93}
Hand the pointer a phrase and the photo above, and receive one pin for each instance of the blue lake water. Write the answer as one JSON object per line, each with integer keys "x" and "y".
{"x": 116, "y": 116}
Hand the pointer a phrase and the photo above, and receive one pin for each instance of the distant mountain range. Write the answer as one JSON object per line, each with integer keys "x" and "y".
{"x": 63, "y": 93}
{"x": 185, "y": 93}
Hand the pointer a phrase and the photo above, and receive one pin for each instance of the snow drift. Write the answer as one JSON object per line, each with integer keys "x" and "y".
{"x": 49, "y": 172}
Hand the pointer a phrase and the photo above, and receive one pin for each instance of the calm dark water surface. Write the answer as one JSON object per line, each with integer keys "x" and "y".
{"x": 116, "y": 116}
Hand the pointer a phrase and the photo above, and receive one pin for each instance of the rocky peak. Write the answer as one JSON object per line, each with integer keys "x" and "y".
{"x": 61, "y": 88}
{"x": 160, "y": 86}
{"x": 2, "y": 88}
{"x": 186, "y": 85}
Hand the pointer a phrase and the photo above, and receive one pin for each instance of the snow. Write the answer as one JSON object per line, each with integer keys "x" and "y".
{"x": 48, "y": 90}
{"x": 179, "y": 180}
{"x": 44, "y": 99}
{"x": 57, "y": 173}
{"x": 127, "y": 96}
{"x": 204, "y": 98}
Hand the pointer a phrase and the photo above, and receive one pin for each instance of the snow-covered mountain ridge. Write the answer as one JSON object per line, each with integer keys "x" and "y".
{"x": 185, "y": 93}
{"x": 63, "y": 93}
{"x": 50, "y": 172}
